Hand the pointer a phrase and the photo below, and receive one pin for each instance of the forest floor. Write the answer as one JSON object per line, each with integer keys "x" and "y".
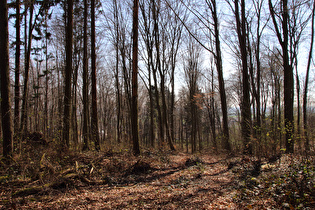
{"x": 43, "y": 179}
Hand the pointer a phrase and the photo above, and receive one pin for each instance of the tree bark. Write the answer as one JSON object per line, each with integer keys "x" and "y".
{"x": 134, "y": 102}
{"x": 94, "y": 120}
{"x": 117, "y": 83}
{"x": 155, "y": 69}
{"x": 67, "y": 92}
{"x": 85, "y": 80}
{"x": 162, "y": 76}
{"x": 305, "y": 123}
{"x": 288, "y": 73}
{"x": 258, "y": 73}
{"x": 147, "y": 36}
{"x": 26, "y": 70}
{"x": 245, "y": 106}
{"x": 218, "y": 59}
{"x": 17, "y": 70}
{"x": 5, "y": 82}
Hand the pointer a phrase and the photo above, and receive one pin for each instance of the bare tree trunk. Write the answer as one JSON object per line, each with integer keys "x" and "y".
{"x": 176, "y": 36}
{"x": 26, "y": 70}
{"x": 157, "y": 44}
{"x": 169, "y": 139}
{"x": 305, "y": 123}
{"x": 288, "y": 73}
{"x": 193, "y": 116}
{"x": 155, "y": 69}
{"x": 191, "y": 69}
{"x": 17, "y": 70}
{"x": 218, "y": 59}
{"x": 212, "y": 115}
{"x": 245, "y": 106}
{"x": 288, "y": 83}
{"x": 134, "y": 104}
{"x": 258, "y": 73}
{"x": 152, "y": 135}
{"x": 149, "y": 47}
{"x": 47, "y": 73}
{"x": 118, "y": 98}
{"x": 85, "y": 81}
{"x": 67, "y": 92}
{"x": 94, "y": 120}
{"x": 298, "y": 103}
{"x": 5, "y": 82}
{"x": 74, "y": 117}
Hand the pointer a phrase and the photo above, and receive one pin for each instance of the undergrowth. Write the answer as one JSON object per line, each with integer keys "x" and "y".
{"x": 289, "y": 185}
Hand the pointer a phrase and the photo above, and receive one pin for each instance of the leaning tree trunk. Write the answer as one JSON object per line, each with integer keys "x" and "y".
{"x": 218, "y": 58}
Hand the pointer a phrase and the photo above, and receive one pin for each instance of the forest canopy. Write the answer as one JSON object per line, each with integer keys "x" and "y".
{"x": 202, "y": 75}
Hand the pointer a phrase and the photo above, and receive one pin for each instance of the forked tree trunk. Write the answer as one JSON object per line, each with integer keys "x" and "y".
{"x": 288, "y": 73}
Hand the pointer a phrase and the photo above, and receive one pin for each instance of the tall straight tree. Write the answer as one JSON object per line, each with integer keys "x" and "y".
{"x": 28, "y": 47}
{"x": 258, "y": 5}
{"x": 5, "y": 81}
{"x": 94, "y": 120}
{"x": 154, "y": 71}
{"x": 305, "y": 123}
{"x": 148, "y": 40}
{"x": 241, "y": 25}
{"x": 85, "y": 79}
{"x": 175, "y": 30}
{"x": 117, "y": 83}
{"x": 17, "y": 70}
{"x": 162, "y": 73}
{"x": 157, "y": 68}
{"x": 288, "y": 81}
{"x": 134, "y": 98}
{"x": 218, "y": 61}
{"x": 68, "y": 73}
{"x": 192, "y": 75}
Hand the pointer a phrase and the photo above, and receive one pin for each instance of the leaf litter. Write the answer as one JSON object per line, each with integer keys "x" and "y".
{"x": 155, "y": 180}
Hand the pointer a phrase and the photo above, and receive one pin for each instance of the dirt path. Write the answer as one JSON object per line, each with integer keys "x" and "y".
{"x": 173, "y": 182}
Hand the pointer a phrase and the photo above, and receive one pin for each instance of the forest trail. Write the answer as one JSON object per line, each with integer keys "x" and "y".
{"x": 166, "y": 182}
{"x": 173, "y": 185}
{"x": 152, "y": 181}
